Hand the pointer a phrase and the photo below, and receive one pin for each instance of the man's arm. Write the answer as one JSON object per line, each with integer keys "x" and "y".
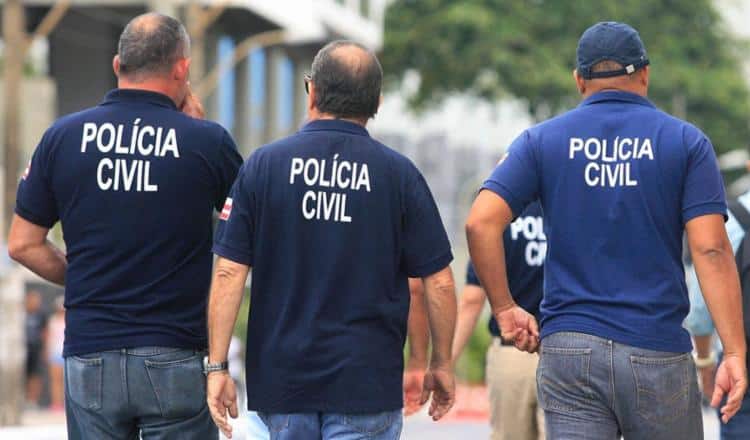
{"x": 418, "y": 327}
{"x": 470, "y": 307}
{"x": 440, "y": 293}
{"x": 227, "y": 287}
{"x": 489, "y": 217}
{"x": 717, "y": 273}
{"x": 28, "y": 245}
{"x": 419, "y": 341}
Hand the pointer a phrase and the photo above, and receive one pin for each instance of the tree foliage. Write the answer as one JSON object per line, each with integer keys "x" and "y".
{"x": 526, "y": 49}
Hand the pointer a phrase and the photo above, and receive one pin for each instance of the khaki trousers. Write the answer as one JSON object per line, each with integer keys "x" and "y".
{"x": 511, "y": 383}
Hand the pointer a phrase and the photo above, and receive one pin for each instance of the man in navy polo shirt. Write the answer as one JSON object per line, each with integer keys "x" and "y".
{"x": 134, "y": 182}
{"x": 511, "y": 380}
{"x": 619, "y": 182}
{"x": 332, "y": 223}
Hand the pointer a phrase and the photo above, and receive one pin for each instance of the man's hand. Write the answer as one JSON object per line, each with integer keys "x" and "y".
{"x": 731, "y": 380}
{"x": 520, "y": 327}
{"x": 413, "y": 385}
{"x": 707, "y": 375}
{"x": 192, "y": 106}
{"x": 221, "y": 395}
{"x": 441, "y": 384}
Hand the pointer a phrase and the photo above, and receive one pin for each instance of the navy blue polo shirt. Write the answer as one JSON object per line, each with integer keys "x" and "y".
{"x": 332, "y": 223}
{"x": 618, "y": 179}
{"x": 133, "y": 182}
{"x": 525, "y": 247}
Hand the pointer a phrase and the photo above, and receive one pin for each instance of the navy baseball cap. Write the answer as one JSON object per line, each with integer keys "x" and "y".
{"x": 610, "y": 41}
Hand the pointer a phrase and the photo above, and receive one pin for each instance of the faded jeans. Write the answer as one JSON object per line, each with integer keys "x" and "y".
{"x": 156, "y": 393}
{"x": 593, "y": 388}
{"x": 327, "y": 426}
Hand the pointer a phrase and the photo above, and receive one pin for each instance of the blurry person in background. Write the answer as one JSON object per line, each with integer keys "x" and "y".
{"x": 134, "y": 183}
{"x": 332, "y": 223}
{"x": 55, "y": 360}
{"x": 510, "y": 374}
{"x": 515, "y": 413}
{"x": 36, "y": 330}
{"x": 620, "y": 182}
{"x": 708, "y": 349}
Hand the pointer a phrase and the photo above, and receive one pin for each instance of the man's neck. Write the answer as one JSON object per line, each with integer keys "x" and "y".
{"x": 326, "y": 116}
{"x": 615, "y": 89}
{"x": 149, "y": 86}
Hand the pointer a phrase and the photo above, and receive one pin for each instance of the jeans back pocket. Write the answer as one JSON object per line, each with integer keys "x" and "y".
{"x": 374, "y": 424}
{"x": 83, "y": 377}
{"x": 563, "y": 380}
{"x": 179, "y": 385}
{"x": 662, "y": 387}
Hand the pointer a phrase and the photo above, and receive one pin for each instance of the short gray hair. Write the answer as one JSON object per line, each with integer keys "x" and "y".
{"x": 151, "y": 44}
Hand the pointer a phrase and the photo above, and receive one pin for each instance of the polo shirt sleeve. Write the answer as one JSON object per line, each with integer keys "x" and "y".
{"x": 471, "y": 276}
{"x": 427, "y": 249}
{"x": 235, "y": 235}
{"x": 227, "y": 164}
{"x": 515, "y": 177}
{"x": 35, "y": 200}
{"x": 703, "y": 192}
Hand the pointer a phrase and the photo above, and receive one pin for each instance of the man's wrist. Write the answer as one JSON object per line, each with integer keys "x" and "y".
{"x": 504, "y": 307}
{"x": 414, "y": 363}
{"x": 212, "y": 366}
{"x": 705, "y": 362}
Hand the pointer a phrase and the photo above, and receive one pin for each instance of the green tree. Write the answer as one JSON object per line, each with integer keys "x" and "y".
{"x": 526, "y": 49}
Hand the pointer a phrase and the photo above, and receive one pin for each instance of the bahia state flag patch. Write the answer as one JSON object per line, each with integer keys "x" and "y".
{"x": 227, "y": 210}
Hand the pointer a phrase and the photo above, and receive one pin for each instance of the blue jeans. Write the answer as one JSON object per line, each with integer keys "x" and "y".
{"x": 156, "y": 393}
{"x": 326, "y": 426}
{"x": 593, "y": 388}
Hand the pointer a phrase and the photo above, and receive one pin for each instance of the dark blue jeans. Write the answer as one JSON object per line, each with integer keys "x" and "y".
{"x": 593, "y": 388}
{"x": 156, "y": 393}
{"x": 327, "y": 426}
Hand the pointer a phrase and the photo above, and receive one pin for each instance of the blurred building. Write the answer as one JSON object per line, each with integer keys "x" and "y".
{"x": 259, "y": 98}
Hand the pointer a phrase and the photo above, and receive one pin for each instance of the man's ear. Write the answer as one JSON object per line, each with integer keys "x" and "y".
{"x": 116, "y": 65}
{"x": 310, "y": 97}
{"x": 580, "y": 82}
{"x": 645, "y": 73}
{"x": 181, "y": 69}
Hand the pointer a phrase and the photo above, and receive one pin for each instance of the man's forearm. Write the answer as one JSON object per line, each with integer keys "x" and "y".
{"x": 44, "y": 259}
{"x": 472, "y": 301}
{"x": 703, "y": 346}
{"x": 440, "y": 293}
{"x": 489, "y": 217}
{"x": 227, "y": 287}
{"x": 418, "y": 327}
{"x": 719, "y": 281}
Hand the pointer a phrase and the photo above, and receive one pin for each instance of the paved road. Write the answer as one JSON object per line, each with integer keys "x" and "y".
{"x": 419, "y": 427}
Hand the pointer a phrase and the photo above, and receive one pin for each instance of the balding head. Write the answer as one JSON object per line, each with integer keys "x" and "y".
{"x": 347, "y": 78}
{"x": 150, "y": 45}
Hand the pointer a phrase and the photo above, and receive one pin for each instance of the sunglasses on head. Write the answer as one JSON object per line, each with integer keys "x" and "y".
{"x": 307, "y": 80}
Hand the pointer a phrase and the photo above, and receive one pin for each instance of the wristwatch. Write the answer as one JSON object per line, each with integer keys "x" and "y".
{"x": 213, "y": 367}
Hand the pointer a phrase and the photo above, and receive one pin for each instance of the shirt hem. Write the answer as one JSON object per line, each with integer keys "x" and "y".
{"x": 232, "y": 254}
{"x": 74, "y": 349}
{"x": 647, "y": 344}
{"x": 433, "y": 266}
{"x": 704, "y": 209}
{"x": 512, "y": 201}
{"x": 33, "y": 218}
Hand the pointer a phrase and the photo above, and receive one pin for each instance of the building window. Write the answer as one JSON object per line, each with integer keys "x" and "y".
{"x": 226, "y": 85}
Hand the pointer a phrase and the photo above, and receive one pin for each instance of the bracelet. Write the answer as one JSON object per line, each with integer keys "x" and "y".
{"x": 705, "y": 362}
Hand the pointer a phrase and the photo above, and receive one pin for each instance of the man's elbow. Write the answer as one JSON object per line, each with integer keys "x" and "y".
{"x": 440, "y": 282}
{"x": 713, "y": 250}
{"x": 18, "y": 249}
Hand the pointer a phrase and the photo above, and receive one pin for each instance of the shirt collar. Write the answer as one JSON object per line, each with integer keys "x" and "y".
{"x": 335, "y": 125}
{"x": 617, "y": 96}
{"x": 137, "y": 95}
